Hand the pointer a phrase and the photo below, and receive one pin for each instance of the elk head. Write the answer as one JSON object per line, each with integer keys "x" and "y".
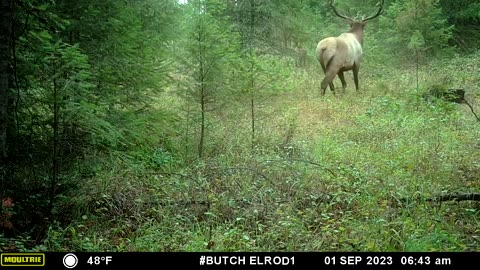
{"x": 343, "y": 53}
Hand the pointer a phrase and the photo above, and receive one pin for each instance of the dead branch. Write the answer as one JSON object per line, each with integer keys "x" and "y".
{"x": 455, "y": 197}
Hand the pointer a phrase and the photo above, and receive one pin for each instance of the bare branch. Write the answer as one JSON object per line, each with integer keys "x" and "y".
{"x": 471, "y": 108}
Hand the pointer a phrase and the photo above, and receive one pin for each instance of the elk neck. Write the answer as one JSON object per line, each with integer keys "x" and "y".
{"x": 357, "y": 30}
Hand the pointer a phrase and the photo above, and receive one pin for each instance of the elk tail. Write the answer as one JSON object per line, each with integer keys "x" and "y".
{"x": 326, "y": 55}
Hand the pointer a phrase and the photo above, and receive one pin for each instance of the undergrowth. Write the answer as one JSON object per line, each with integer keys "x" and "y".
{"x": 351, "y": 172}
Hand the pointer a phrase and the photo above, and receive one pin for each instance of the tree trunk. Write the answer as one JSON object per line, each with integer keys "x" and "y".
{"x": 202, "y": 127}
{"x": 252, "y": 108}
{"x": 252, "y": 75}
{"x": 55, "y": 126}
{"x": 5, "y": 72}
{"x": 6, "y": 20}
{"x": 202, "y": 78}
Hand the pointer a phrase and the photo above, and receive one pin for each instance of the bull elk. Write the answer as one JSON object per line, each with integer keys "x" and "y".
{"x": 343, "y": 53}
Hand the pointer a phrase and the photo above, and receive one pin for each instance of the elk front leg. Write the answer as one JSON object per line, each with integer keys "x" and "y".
{"x": 356, "y": 68}
{"x": 342, "y": 78}
{"x": 332, "y": 87}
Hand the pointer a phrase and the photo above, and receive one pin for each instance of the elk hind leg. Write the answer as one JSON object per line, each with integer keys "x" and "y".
{"x": 323, "y": 84}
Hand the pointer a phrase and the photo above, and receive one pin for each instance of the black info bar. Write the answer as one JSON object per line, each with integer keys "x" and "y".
{"x": 241, "y": 260}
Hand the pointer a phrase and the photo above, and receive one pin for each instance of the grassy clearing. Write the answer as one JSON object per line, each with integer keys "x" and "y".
{"x": 346, "y": 173}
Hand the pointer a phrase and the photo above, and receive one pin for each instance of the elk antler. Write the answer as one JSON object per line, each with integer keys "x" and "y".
{"x": 380, "y": 10}
{"x": 338, "y": 14}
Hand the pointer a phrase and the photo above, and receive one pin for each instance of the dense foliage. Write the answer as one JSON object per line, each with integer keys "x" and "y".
{"x": 198, "y": 125}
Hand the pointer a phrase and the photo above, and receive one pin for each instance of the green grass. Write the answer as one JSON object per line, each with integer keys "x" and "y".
{"x": 345, "y": 173}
